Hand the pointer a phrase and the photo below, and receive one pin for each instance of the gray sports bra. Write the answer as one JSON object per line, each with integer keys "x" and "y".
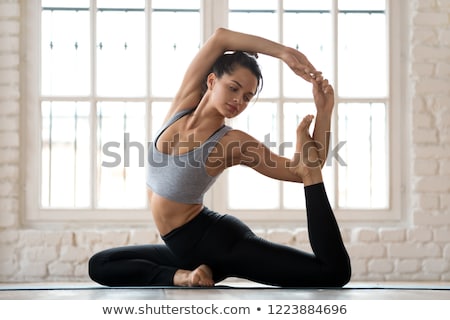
{"x": 181, "y": 177}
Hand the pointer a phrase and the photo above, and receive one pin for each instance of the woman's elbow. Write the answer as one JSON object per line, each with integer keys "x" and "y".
{"x": 221, "y": 37}
{"x": 220, "y": 32}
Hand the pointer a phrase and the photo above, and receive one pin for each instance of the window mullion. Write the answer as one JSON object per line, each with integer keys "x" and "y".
{"x": 214, "y": 14}
{"x": 280, "y": 104}
{"x": 149, "y": 79}
{"x": 148, "y": 38}
{"x": 93, "y": 104}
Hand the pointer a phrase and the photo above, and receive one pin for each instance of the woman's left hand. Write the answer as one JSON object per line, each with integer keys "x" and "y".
{"x": 298, "y": 63}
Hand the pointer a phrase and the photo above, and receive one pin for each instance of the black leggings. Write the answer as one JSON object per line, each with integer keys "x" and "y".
{"x": 231, "y": 249}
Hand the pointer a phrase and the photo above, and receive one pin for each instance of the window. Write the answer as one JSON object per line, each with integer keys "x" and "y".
{"x": 98, "y": 90}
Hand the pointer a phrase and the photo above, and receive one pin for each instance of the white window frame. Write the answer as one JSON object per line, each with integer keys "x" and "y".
{"x": 214, "y": 14}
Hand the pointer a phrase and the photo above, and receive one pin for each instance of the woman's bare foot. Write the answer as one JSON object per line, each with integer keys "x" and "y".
{"x": 306, "y": 162}
{"x": 200, "y": 277}
{"x": 323, "y": 94}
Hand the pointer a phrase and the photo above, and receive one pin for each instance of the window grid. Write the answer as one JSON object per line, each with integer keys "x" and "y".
{"x": 149, "y": 101}
{"x": 334, "y": 176}
{"x": 94, "y": 100}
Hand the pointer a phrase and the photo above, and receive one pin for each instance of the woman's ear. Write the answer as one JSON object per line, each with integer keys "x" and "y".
{"x": 211, "y": 80}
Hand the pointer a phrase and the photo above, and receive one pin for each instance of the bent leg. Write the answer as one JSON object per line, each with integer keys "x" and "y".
{"x": 325, "y": 237}
{"x": 270, "y": 263}
{"x": 324, "y": 100}
{"x": 145, "y": 265}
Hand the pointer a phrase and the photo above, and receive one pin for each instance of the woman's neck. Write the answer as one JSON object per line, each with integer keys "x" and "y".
{"x": 205, "y": 115}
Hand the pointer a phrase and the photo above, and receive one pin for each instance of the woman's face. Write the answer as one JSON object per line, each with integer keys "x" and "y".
{"x": 232, "y": 92}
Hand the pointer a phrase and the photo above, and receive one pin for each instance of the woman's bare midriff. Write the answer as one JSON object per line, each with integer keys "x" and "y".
{"x": 169, "y": 215}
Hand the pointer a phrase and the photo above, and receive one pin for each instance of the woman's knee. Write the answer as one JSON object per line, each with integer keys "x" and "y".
{"x": 340, "y": 274}
{"x": 95, "y": 264}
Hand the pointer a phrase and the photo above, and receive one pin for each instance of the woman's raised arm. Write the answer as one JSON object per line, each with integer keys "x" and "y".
{"x": 190, "y": 91}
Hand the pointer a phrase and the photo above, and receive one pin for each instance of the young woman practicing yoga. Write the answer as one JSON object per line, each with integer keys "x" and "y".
{"x": 194, "y": 146}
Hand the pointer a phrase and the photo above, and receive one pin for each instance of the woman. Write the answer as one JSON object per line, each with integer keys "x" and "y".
{"x": 189, "y": 152}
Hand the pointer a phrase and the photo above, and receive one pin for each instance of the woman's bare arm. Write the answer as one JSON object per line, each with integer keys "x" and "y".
{"x": 252, "y": 153}
{"x": 190, "y": 91}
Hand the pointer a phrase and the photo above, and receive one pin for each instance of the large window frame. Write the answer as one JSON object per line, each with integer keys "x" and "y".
{"x": 213, "y": 14}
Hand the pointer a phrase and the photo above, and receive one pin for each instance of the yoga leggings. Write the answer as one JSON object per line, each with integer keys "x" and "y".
{"x": 231, "y": 249}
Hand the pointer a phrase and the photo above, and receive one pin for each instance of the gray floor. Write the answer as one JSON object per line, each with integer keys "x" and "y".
{"x": 230, "y": 290}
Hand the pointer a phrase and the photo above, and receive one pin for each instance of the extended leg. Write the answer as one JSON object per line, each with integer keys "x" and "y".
{"x": 323, "y": 229}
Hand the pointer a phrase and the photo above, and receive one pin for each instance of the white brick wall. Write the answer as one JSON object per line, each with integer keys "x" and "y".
{"x": 417, "y": 252}
{"x": 9, "y": 114}
{"x": 424, "y": 254}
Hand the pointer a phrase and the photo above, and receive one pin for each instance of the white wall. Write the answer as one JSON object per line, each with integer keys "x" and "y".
{"x": 418, "y": 251}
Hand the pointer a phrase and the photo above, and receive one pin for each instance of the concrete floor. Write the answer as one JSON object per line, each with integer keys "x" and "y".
{"x": 226, "y": 291}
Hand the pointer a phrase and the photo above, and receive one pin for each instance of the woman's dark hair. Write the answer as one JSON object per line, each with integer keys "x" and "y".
{"x": 228, "y": 62}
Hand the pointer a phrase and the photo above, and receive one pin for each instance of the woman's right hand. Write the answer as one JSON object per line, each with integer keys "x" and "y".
{"x": 298, "y": 63}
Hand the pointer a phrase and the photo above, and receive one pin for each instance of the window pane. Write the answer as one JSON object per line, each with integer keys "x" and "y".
{"x": 307, "y": 5}
{"x": 362, "y": 55}
{"x": 176, "y": 4}
{"x": 362, "y": 5}
{"x": 122, "y": 150}
{"x": 65, "y": 52}
{"x": 259, "y": 18}
{"x": 173, "y": 48}
{"x": 363, "y": 180}
{"x": 299, "y": 31}
{"x": 121, "y": 66}
{"x": 65, "y": 3}
{"x": 248, "y": 189}
{"x": 293, "y": 193}
{"x": 250, "y": 5}
{"x": 159, "y": 113}
{"x": 121, "y": 4}
{"x": 65, "y": 156}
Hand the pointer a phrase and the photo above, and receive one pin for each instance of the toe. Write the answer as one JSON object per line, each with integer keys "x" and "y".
{"x": 305, "y": 124}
